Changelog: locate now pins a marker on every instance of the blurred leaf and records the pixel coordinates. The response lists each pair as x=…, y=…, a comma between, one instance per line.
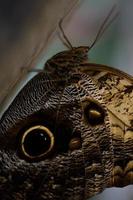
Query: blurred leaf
x=26, y=27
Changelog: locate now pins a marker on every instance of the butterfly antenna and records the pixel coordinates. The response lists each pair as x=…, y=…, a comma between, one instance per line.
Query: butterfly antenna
x=106, y=23
x=68, y=43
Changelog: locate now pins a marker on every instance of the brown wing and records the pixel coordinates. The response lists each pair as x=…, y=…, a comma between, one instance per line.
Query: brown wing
x=116, y=88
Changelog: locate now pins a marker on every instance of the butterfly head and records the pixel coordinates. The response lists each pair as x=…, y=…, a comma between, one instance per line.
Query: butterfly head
x=68, y=60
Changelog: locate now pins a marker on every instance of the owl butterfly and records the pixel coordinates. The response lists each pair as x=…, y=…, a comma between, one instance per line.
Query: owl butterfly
x=68, y=134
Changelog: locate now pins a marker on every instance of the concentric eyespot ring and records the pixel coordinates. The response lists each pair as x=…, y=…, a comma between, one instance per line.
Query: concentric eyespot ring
x=37, y=142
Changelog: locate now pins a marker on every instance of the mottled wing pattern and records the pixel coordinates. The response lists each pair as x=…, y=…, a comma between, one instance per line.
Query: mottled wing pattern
x=116, y=88
x=29, y=100
x=72, y=175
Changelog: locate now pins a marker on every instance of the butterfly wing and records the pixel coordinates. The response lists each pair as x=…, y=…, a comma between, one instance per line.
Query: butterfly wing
x=116, y=88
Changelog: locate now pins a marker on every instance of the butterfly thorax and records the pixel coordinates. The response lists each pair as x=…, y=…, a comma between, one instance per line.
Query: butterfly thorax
x=68, y=60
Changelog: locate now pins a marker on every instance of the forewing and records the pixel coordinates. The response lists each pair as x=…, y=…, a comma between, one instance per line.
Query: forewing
x=116, y=87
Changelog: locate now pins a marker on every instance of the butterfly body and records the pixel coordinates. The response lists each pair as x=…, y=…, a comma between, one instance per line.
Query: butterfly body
x=87, y=108
x=68, y=60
